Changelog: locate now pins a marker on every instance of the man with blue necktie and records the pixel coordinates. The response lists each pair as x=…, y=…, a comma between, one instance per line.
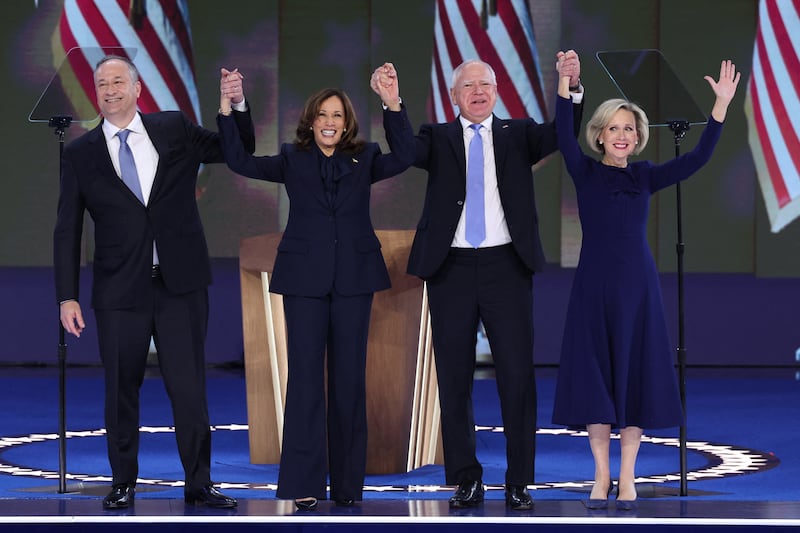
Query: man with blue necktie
x=136, y=176
x=477, y=246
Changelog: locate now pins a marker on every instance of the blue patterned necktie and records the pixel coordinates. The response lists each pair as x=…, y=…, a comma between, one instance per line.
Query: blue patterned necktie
x=475, y=230
x=127, y=166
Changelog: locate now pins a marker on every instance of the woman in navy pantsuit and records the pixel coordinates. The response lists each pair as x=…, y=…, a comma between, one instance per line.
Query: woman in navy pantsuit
x=328, y=266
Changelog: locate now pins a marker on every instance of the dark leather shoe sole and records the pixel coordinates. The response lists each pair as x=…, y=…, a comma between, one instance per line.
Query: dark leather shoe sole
x=463, y=504
x=117, y=505
x=209, y=497
x=519, y=506
x=120, y=497
x=201, y=502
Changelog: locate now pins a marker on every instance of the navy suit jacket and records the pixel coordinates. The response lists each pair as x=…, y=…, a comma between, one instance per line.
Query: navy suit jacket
x=327, y=246
x=518, y=145
x=124, y=229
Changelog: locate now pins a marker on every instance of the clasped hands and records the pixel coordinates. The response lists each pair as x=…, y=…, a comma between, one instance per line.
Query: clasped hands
x=230, y=89
x=569, y=65
x=385, y=84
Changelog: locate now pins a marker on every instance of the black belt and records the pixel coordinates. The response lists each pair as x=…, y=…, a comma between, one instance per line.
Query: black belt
x=156, y=271
x=488, y=251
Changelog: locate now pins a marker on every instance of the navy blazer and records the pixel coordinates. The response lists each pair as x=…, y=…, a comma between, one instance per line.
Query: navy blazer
x=124, y=229
x=324, y=245
x=518, y=145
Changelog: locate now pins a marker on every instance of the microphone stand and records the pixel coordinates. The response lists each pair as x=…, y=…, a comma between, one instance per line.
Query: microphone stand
x=61, y=123
x=679, y=129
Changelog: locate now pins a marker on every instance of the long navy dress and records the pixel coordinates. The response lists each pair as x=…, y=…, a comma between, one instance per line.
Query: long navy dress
x=617, y=365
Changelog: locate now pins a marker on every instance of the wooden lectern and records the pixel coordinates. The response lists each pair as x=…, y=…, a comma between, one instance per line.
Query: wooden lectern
x=402, y=395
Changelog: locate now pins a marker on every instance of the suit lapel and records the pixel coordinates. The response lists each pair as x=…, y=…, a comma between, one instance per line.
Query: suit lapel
x=311, y=179
x=500, y=130
x=455, y=134
x=344, y=175
x=158, y=136
x=101, y=160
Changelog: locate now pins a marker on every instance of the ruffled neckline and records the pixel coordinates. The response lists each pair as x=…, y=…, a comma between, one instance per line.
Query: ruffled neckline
x=620, y=180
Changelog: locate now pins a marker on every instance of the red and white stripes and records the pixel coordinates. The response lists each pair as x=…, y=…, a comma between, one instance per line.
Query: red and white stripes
x=158, y=34
x=499, y=33
x=773, y=107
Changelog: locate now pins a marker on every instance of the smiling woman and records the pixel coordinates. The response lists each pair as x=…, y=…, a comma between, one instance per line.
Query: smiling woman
x=329, y=125
x=328, y=266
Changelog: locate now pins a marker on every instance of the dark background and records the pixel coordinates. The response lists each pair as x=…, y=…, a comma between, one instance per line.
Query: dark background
x=289, y=49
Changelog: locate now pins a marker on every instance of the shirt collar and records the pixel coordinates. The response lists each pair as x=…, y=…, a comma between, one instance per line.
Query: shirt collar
x=136, y=126
x=487, y=123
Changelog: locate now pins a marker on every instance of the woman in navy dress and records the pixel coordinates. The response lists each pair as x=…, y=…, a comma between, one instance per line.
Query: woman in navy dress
x=328, y=266
x=617, y=366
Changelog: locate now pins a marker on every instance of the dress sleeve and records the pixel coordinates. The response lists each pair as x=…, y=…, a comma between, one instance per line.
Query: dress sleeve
x=680, y=168
x=577, y=163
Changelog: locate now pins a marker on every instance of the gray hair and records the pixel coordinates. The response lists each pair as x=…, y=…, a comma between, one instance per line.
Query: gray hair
x=112, y=57
x=462, y=66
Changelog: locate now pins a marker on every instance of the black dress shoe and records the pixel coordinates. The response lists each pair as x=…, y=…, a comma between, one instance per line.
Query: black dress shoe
x=517, y=498
x=306, y=504
x=468, y=494
x=208, y=496
x=344, y=502
x=120, y=497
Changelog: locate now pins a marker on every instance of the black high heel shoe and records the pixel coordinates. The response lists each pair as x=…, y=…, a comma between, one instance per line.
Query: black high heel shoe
x=598, y=504
x=306, y=504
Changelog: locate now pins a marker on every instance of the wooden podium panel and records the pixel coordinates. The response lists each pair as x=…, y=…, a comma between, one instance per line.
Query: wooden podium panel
x=402, y=401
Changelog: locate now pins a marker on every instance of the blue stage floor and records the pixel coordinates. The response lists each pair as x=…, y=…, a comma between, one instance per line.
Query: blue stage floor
x=743, y=463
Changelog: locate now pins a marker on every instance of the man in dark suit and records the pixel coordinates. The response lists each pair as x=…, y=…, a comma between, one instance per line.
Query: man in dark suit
x=151, y=267
x=483, y=270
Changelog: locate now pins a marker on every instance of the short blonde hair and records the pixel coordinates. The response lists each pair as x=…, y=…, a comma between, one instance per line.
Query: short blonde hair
x=602, y=116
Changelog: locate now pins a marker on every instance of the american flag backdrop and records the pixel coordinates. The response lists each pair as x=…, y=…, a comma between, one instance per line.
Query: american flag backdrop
x=499, y=32
x=157, y=30
x=773, y=109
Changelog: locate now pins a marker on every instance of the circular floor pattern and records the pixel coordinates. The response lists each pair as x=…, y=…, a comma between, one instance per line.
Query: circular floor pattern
x=722, y=460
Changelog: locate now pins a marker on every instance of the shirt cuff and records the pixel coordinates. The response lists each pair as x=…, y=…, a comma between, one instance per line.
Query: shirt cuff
x=385, y=107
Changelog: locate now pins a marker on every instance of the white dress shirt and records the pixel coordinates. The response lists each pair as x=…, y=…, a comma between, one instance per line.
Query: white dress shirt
x=496, y=228
x=144, y=155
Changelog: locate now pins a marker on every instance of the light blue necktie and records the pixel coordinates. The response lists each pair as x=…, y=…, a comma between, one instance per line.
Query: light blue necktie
x=127, y=166
x=476, y=217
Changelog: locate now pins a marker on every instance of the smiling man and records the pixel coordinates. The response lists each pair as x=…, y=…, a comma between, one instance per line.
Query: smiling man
x=136, y=175
x=477, y=246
